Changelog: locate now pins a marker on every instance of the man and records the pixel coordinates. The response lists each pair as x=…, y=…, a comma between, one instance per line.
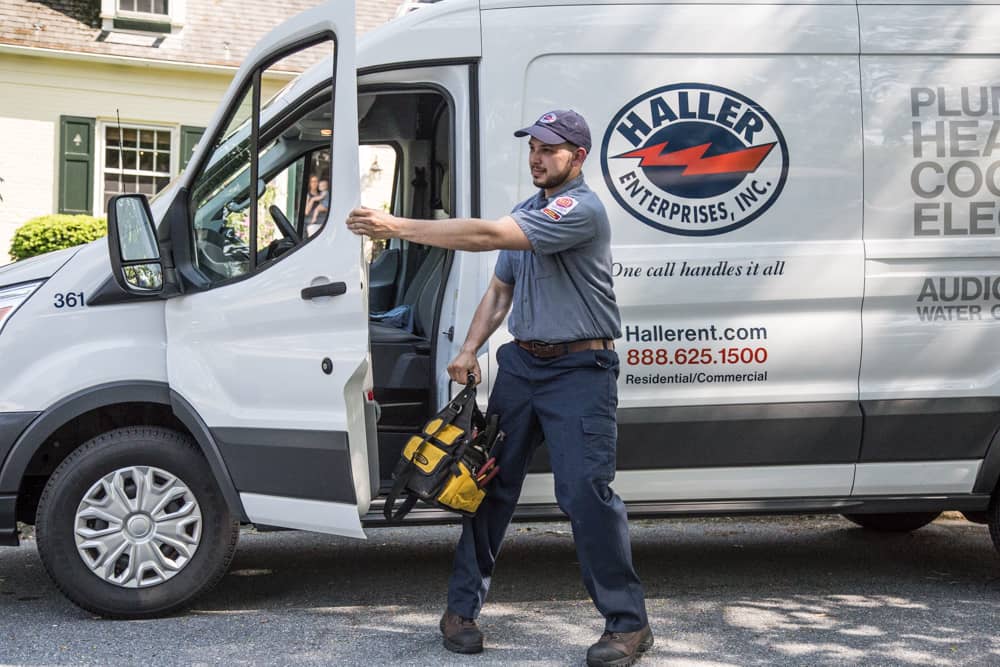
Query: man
x=557, y=381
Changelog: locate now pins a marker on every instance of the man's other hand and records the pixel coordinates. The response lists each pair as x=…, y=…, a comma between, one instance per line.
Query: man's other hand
x=462, y=365
x=373, y=223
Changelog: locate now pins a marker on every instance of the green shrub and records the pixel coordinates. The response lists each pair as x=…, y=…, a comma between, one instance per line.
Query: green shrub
x=55, y=232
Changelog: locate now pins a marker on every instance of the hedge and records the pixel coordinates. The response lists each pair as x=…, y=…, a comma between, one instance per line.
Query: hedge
x=55, y=232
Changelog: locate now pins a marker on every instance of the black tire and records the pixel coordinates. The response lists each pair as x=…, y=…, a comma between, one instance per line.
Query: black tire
x=901, y=522
x=122, y=448
x=994, y=519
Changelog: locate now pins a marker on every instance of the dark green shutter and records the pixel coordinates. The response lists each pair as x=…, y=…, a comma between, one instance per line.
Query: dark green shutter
x=189, y=139
x=76, y=164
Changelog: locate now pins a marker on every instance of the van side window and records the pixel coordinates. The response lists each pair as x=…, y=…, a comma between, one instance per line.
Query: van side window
x=220, y=202
x=263, y=183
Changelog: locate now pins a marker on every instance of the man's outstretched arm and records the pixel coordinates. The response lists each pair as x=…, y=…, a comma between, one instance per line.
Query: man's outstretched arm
x=489, y=315
x=457, y=234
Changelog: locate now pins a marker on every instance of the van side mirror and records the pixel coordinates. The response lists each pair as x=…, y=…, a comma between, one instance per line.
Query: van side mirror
x=132, y=245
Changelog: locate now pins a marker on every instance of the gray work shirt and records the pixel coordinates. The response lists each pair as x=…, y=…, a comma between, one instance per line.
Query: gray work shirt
x=563, y=290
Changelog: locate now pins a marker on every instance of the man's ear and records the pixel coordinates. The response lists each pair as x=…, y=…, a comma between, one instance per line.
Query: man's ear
x=579, y=156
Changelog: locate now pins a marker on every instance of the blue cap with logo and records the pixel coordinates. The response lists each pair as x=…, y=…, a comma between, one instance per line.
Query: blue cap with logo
x=556, y=127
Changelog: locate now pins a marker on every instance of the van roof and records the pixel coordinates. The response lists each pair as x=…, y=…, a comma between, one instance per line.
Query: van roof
x=509, y=4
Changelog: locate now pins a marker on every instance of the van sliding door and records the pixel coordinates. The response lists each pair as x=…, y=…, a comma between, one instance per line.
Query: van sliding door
x=930, y=375
x=727, y=151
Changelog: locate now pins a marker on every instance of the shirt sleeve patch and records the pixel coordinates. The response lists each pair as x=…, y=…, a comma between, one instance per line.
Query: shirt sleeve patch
x=552, y=213
x=563, y=205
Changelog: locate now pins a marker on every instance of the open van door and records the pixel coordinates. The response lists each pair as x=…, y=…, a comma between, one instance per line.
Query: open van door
x=269, y=344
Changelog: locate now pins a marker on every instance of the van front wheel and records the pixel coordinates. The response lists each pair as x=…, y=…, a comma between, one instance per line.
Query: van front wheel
x=133, y=525
x=900, y=522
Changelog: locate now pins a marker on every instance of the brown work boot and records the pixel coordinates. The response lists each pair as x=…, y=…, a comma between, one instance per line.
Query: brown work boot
x=461, y=635
x=619, y=649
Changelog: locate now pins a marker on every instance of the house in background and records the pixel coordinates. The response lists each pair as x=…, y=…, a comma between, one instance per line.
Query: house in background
x=70, y=69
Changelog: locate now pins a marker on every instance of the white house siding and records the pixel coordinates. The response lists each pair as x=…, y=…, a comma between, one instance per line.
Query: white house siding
x=26, y=170
x=35, y=91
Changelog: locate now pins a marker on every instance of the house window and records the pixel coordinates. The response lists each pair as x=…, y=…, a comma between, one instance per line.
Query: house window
x=141, y=17
x=144, y=6
x=136, y=159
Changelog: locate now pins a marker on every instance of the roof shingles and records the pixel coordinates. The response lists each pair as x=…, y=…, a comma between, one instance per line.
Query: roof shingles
x=215, y=32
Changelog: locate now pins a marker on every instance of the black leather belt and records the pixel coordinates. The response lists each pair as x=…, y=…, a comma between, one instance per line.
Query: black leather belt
x=544, y=350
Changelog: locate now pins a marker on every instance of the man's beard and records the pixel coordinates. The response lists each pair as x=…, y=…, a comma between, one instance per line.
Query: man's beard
x=550, y=181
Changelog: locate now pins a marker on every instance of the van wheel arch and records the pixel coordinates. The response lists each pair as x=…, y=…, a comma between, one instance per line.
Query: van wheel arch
x=68, y=424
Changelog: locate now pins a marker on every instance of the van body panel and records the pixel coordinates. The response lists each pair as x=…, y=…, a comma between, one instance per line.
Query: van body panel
x=932, y=237
x=929, y=429
x=965, y=28
x=38, y=267
x=12, y=424
x=713, y=483
x=303, y=514
x=716, y=29
x=289, y=462
x=663, y=4
x=79, y=347
x=439, y=31
x=802, y=307
x=916, y=477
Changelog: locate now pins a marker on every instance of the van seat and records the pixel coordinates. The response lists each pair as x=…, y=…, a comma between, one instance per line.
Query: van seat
x=420, y=295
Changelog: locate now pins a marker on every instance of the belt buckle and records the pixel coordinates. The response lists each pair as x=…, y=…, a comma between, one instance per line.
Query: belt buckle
x=542, y=349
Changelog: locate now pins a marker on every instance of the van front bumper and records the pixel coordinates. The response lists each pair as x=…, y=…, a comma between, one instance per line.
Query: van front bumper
x=8, y=522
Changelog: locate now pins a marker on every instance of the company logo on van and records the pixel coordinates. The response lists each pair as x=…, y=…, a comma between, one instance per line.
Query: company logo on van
x=694, y=159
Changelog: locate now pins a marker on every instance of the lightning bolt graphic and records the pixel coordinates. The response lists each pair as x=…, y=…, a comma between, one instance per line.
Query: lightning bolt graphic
x=745, y=160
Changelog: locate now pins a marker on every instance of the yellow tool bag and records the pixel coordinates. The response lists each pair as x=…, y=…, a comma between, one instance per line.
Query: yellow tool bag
x=450, y=462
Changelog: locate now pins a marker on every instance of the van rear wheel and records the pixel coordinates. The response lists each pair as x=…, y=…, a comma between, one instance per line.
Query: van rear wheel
x=901, y=522
x=994, y=519
x=133, y=525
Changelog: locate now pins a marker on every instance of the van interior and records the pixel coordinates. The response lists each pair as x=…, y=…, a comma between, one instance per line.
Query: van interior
x=408, y=278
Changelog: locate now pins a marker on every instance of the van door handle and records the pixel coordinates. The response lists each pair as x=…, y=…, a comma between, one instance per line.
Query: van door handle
x=329, y=289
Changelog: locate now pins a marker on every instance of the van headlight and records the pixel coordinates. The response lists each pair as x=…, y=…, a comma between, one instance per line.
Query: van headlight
x=12, y=297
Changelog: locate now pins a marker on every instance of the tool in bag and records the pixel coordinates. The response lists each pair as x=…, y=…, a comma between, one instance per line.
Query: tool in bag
x=451, y=461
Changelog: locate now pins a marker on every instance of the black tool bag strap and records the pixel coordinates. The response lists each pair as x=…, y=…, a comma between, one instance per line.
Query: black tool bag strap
x=408, y=502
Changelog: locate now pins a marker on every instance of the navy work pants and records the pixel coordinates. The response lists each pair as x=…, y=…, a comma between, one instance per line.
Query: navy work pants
x=569, y=401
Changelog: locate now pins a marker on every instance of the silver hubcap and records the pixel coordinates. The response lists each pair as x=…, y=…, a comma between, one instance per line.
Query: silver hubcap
x=138, y=527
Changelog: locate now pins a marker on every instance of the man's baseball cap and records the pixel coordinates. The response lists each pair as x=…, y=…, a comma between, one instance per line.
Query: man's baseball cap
x=556, y=127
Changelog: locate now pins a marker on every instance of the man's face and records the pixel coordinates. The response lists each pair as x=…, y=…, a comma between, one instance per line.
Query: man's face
x=313, y=183
x=552, y=164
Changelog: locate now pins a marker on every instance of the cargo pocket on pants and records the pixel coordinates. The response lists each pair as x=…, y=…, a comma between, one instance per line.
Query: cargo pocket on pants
x=600, y=439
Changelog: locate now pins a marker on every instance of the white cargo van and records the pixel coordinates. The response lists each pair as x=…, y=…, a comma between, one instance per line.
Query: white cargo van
x=805, y=224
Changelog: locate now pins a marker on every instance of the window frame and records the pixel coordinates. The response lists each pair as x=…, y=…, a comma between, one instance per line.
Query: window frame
x=100, y=152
